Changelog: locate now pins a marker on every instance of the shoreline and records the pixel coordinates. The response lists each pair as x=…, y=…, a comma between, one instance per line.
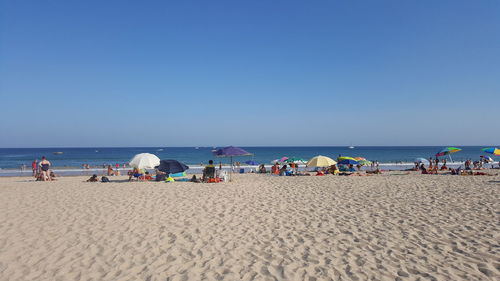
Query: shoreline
x=196, y=169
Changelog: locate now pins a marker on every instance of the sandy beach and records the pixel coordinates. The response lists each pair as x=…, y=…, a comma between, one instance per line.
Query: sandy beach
x=384, y=227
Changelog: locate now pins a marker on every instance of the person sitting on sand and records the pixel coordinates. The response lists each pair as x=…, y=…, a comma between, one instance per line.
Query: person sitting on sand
x=320, y=173
x=262, y=169
x=275, y=169
x=444, y=168
x=93, y=178
x=52, y=175
x=351, y=168
x=283, y=171
x=160, y=176
x=333, y=170
x=146, y=177
x=209, y=171
x=377, y=171
x=136, y=172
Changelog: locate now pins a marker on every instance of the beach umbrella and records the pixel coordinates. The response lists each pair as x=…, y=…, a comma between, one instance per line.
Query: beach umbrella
x=250, y=162
x=231, y=151
x=492, y=150
x=364, y=162
x=144, y=161
x=295, y=160
x=421, y=160
x=171, y=166
x=487, y=159
x=345, y=158
x=320, y=161
x=283, y=159
x=348, y=162
x=447, y=151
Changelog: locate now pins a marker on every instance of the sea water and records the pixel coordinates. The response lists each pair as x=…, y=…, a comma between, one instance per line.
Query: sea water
x=72, y=159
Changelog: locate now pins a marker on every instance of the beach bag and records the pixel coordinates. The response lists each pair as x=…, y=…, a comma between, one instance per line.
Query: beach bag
x=104, y=179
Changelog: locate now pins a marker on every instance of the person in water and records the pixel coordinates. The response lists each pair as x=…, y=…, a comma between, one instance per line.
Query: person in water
x=44, y=167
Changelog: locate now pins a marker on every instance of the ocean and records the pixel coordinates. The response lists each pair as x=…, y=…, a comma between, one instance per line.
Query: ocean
x=397, y=157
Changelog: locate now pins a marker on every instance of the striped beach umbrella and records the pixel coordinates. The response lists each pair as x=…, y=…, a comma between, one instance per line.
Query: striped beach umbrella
x=492, y=150
x=345, y=158
x=447, y=151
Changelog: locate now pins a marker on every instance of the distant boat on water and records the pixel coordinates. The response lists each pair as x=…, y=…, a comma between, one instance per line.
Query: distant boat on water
x=57, y=153
x=161, y=149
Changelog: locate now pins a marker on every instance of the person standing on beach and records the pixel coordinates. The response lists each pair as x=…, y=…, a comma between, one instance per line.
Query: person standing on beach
x=34, y=167
x=45, y=166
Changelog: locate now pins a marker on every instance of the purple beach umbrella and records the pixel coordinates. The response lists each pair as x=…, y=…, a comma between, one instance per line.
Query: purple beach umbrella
x=231, y=151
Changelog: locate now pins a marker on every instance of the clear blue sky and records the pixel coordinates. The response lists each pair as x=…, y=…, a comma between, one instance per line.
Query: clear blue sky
x=195, y=73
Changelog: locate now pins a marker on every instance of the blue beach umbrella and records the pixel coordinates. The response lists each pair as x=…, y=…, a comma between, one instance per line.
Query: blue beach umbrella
x=348, y=162
x=171, y=166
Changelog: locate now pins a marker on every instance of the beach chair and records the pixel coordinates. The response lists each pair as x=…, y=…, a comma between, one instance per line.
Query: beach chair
x=208, y=173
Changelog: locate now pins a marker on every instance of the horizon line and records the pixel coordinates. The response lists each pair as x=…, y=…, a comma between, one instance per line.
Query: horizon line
x=252, y=146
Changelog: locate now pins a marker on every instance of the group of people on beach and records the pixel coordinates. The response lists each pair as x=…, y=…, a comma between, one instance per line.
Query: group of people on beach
x=41, y=170
x=292, y=170
x=210, y=174
x=470, y=165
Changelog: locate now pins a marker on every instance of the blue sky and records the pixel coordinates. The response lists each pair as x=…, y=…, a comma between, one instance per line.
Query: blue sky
x=194, y=73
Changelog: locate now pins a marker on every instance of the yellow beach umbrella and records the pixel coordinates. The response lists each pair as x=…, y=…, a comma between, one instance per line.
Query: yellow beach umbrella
x=320, y=161
x=345, y=158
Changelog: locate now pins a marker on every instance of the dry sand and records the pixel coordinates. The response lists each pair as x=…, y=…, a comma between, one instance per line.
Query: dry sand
x=385, y=227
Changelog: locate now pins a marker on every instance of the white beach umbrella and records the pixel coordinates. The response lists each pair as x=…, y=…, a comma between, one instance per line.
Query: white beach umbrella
x=145, y=161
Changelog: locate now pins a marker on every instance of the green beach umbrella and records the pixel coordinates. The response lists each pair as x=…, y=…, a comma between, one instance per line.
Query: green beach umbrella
x=295, y=160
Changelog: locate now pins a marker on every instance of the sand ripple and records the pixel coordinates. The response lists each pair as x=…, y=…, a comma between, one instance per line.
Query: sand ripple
x=389, y=227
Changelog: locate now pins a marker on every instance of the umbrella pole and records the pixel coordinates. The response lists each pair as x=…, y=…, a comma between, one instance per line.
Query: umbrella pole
x=451, y=160
x=231, y=170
